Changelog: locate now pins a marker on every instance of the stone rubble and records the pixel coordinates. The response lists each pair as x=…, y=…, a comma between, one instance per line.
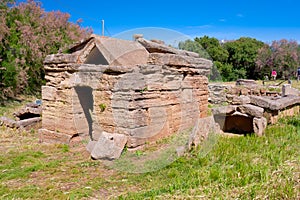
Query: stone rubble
x=245, y=118
x=224, y=93
x=31, y=110
x=252, y=111
x=27, y=116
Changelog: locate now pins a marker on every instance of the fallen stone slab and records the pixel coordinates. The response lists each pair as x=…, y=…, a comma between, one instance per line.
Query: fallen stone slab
x=287, y=89
x=28, y=122
x=48, y=136
x=4, y=121
x=108, y=147
x=10, y=123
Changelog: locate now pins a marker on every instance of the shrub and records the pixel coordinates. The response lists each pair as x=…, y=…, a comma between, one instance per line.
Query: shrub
x=27, y=34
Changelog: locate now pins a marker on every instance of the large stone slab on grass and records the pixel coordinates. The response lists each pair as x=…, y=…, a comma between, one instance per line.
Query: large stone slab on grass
x=48, y=136
x=8, y=122
x=109, y=146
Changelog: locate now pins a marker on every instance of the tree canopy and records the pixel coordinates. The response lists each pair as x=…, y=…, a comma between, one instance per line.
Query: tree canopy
x=27, y=34
x=249, y=58
x=282, y=56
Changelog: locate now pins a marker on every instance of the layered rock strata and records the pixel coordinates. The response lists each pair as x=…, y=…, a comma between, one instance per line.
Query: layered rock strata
x=140, y=89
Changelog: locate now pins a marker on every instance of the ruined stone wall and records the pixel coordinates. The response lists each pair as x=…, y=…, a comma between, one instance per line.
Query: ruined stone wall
x=252, y=106
x=144, y=102
x=273, y=116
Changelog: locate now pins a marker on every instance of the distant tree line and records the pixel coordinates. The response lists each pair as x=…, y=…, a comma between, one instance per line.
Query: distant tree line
x=27, y=34
x=247, y=57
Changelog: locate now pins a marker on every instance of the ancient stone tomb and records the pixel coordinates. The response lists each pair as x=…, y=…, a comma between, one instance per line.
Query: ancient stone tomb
x=133, y=91
x=252, y=107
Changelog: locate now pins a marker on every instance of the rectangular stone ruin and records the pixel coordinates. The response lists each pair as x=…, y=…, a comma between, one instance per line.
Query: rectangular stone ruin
x=251, y=114
x=140, y=89
x=277, y=107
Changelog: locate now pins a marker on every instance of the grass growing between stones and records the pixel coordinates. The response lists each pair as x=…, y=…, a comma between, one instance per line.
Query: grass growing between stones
x=248, y=167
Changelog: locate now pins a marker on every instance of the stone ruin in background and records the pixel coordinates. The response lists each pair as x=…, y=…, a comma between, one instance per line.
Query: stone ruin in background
x=252, y=106
x=116, y=92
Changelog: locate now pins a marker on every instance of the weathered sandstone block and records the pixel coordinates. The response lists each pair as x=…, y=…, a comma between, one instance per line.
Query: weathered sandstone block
x=122, y=87
x=109, y=146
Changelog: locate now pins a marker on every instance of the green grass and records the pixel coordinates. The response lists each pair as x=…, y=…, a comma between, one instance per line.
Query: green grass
x=248, y=167
x=242, y=168
x=8, y=109
x=296, y=84
x=153, y=156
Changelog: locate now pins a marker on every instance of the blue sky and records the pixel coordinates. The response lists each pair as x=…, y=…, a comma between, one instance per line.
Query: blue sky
x=231, y=19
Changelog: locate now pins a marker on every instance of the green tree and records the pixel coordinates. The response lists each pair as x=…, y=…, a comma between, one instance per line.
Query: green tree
x=193, y=46
x=242, y=55
x=209, y=48
x=228, y=72
x=207, y=42
x=213, y=48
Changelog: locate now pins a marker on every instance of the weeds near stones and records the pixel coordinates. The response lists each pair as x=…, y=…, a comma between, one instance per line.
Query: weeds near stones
x=102, y=107
x=143, y=90
x=139, y=153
